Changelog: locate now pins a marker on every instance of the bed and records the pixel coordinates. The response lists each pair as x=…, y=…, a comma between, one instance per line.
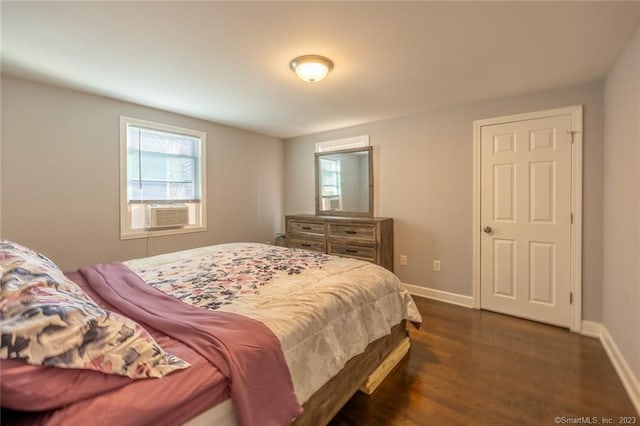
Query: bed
x=241, y=333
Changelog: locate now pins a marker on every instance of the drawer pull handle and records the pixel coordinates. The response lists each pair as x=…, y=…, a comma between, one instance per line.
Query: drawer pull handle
x=305, y=245
x=306, y=228
x=350, y=251
x=350, y=232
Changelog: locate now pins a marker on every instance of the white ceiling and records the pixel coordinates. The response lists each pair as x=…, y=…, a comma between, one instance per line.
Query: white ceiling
x=228, y=62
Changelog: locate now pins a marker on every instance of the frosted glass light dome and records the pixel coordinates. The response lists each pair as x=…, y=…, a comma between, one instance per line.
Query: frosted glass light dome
x=311, y=68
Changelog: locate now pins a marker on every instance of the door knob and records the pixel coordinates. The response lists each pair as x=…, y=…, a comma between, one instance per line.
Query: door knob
x=487, y=229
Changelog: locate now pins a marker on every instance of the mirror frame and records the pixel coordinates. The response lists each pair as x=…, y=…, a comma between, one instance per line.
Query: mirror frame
x=318, y=156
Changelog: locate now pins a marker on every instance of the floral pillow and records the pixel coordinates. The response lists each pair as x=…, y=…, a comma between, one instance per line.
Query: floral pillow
x=47, y=319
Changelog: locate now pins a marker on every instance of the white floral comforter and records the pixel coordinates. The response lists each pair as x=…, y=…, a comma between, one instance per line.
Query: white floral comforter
x=323, y=309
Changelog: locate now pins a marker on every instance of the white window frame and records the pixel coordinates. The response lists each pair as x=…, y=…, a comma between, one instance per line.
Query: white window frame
x=340, y=144
x=126, y=231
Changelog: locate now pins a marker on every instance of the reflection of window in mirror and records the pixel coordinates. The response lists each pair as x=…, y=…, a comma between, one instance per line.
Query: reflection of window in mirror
x=331, y=194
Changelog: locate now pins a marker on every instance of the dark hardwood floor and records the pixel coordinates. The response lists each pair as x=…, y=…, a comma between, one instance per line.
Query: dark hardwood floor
x=476, y=367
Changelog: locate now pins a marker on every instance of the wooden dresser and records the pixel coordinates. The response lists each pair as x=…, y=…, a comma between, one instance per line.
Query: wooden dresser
x=366, y=238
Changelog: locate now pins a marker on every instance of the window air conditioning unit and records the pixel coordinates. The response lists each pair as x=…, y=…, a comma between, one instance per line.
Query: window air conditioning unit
x=167, y=215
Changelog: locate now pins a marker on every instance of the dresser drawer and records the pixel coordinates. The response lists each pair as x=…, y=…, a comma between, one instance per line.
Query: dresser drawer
x=313, y=245
x=362, y=232
x=363, y=238
x=308, y=228
x=364, y=253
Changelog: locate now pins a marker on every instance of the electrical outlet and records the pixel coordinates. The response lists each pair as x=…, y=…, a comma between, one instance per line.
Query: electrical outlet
x=436, y=265
x=403, y=260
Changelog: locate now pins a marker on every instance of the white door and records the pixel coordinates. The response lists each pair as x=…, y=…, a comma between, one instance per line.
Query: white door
x=525, y=215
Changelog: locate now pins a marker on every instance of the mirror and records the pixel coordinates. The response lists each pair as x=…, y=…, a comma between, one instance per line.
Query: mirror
x=344, y=182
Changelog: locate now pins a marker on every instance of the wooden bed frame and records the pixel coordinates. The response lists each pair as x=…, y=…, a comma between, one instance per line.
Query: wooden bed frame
x=365, y=372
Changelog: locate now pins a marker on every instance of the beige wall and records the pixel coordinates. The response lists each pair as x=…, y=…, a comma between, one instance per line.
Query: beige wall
x=423, y=179
x=621, y=257
x=60, y=177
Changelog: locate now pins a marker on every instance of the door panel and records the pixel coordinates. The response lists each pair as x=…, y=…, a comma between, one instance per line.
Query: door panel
x=542, y=276
x=504, y=192
x=526, y=201
x=542, y=179
x=504, y=266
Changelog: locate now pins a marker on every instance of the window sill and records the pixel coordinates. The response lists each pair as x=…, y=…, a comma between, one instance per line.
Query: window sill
x=147, y=233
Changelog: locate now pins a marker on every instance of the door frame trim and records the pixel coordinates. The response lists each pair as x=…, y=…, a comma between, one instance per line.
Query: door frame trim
x=575, y=322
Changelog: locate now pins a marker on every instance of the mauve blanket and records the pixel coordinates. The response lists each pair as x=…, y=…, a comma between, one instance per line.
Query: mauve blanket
x=243, y=349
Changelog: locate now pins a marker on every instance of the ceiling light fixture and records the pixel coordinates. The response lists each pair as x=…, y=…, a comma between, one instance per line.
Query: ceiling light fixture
x=311, y=68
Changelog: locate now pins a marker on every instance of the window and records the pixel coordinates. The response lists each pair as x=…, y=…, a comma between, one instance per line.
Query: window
x=162, y=179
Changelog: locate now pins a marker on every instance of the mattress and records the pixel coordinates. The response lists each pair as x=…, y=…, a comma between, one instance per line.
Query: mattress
x=323, y=310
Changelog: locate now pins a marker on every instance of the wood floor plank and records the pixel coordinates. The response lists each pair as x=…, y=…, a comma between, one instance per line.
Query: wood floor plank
x=476, y=367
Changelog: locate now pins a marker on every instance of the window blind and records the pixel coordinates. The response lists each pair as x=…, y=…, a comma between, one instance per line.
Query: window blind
x=162, y=166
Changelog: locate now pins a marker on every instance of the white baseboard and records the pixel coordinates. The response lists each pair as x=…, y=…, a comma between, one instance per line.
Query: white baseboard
x=591, y=329
x=443, y=296
x=629, y=380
